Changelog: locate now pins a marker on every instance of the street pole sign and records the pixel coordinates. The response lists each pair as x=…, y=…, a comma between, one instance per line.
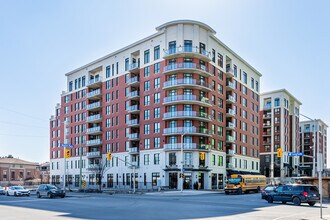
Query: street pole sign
x=66, y=145
x=293, y=154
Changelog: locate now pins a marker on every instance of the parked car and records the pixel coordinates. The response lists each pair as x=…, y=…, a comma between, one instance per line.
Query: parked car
x=17, y=191
x=297, y=194
x=50, y=191
x=265, y=191
x=2, y=191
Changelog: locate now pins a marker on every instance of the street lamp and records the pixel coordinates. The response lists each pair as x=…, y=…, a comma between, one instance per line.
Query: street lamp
x=182, y=135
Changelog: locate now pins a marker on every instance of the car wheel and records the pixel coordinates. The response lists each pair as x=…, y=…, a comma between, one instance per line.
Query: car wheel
x=239, y=191
x=50, y=195
x=270, y=199
x=7, y=193
x=15, y=194
x=38, y=195
x=283, y=202
x=311, y=203
x=296, y=201
x=258, y=189
x=226, y=192
x=62, y=197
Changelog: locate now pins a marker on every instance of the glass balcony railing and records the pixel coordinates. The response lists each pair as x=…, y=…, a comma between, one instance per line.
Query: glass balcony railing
x=133, y=122
x=230, y=71
x=94, y=93
x=187, y=65
x=134, y=150
x=186, y=146
x=133, y=80
x=93, y=117
x=187, y=81
x=133, y=136
x=94, y=142
x=174, y=98
x=231, y=125
x=133, y=108
x=93, y=105
x=94, y=129
x=94, y=154
x=134, y=66
x=183, y=130
x=230, y=138
x=133, y=94
x=187, y=49
x=231, y=98
x=186, y=114
x=267, y=106
x=230, y=85
x=95, y=80
x=231, y=111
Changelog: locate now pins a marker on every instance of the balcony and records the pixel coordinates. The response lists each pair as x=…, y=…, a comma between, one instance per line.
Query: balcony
x=230, y=153
x=187, y=83
x=93, y=142
x=230, y=139
x=94, y=118
x=133, y=136
x=230, y=72
x=187, y=130
x=266, y=133
x=187, y=146
x=94, y=154
x=133, y=81
x=94, y=106
x=134, y=68
x=230, y=113
x=134, y=150
x=133, y=95
x=94, y=83
x=267, y=125
x=230, y=166
x=96, y=94
x=230, y=126
x=133, y=108
x=187, y=68
x=187, y=99
x=266, y=143
x=267, y=106
x=230, y=99
x=230, y=86
x=94, y=130
x=133, y=123
x=187, y=114
x=267, y=116
x=187, y=51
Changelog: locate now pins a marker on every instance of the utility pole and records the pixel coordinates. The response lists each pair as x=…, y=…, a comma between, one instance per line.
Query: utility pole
x=64, y=180
x=181, y=175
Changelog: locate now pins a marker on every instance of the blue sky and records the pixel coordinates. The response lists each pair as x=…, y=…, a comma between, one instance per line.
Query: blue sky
x=40, y=41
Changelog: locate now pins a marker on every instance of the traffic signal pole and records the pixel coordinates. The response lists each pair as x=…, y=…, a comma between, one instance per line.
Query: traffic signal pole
x=64, y=179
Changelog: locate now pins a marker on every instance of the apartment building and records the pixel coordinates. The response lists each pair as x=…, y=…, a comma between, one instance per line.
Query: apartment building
x=178, y=88
x=279, y=129
x=313, y=134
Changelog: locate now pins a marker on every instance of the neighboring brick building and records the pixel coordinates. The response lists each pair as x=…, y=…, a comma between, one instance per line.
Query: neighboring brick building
x=14, y=171
x=181, y=84
x=279, y=128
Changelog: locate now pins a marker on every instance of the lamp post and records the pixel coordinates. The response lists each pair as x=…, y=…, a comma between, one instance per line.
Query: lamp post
x=182, y=135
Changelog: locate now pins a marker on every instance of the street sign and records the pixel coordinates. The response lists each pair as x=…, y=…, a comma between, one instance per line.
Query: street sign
x=66, y=145
x=293, y=154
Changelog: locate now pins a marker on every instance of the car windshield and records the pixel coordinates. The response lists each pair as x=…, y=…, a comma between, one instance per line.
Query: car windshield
x=52, y=187
x=270, y=188
x=234, y=180
x=18, y=187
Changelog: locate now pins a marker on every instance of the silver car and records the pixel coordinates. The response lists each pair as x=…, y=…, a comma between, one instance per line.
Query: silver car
x=2, y=191
x=17, y=191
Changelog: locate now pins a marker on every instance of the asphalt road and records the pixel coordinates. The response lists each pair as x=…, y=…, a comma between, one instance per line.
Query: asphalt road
x=154, y=206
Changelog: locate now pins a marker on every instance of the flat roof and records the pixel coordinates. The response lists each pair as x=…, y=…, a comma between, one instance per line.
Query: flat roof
x=279, y=91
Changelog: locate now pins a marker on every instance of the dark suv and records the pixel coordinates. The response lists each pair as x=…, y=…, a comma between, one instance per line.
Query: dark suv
x=50, y=191
x=297, y=194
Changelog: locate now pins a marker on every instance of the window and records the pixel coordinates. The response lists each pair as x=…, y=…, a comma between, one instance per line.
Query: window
x=157, y=83
x=220, y=60
x=156, y=68
x=146, y=100
x=155, y=178
x=156, y=52
x=277, y=102
x=146, y=159
x=126, y=64
x=70, y=86
x=257, y=86
x=188, y=158
x=252, y=83
x=157, y=98
x=107, y=71
x=156, y=159
x=172, y=159
x=213, y=159
x=146, y=114
x=213, y=55
x=147, y=71
x=220, y=161
x=147, y=129
x=146, y=56
x=245, y=77
x=156, y=112
x=157, y=142
x=146, y=85
x=156, y=127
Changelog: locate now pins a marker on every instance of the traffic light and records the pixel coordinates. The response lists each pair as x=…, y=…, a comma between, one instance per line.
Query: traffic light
x=84, y=184
x=109, y=155
x=67, y=154
x=202, y=155
x=279, y=152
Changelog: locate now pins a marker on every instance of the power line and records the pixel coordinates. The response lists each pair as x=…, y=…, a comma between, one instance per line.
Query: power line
x=23, y=125
x=20, y=113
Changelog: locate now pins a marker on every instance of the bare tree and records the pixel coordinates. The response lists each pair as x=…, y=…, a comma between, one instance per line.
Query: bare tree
x=99, y=169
